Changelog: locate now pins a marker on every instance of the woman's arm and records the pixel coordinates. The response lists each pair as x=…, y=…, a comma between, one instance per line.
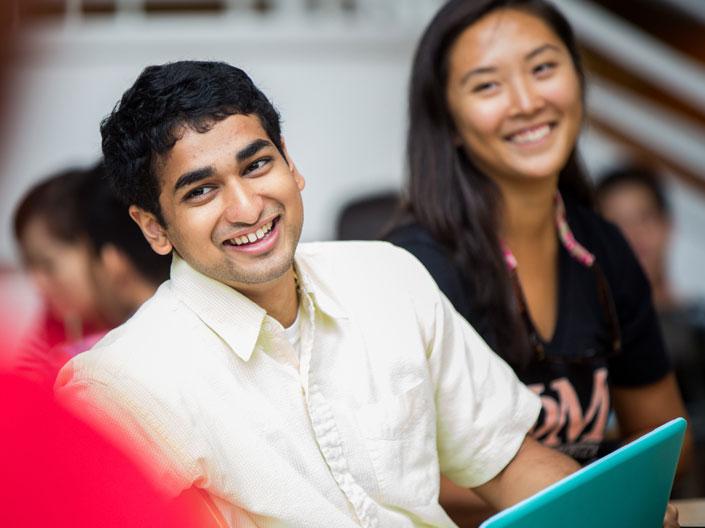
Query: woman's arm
x=641, y=409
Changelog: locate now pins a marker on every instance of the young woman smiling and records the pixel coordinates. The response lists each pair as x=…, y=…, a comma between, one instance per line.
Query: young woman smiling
x=500, y=213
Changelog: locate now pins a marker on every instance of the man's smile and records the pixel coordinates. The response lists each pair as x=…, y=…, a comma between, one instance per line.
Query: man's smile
x=257, y=240
x=253, y=235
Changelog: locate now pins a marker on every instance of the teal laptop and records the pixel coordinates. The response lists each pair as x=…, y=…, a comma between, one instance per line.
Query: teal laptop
x=627, y=488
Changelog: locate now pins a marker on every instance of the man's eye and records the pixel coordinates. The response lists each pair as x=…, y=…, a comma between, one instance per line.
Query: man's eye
x=198, y=192
x=255, y=165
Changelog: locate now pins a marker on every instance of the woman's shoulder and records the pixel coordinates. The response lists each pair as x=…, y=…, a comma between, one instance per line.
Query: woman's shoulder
x=613, y=253
x=418, y=240
x=598, y=235
x=586, y=220
x=643, y=358
x=411, y=233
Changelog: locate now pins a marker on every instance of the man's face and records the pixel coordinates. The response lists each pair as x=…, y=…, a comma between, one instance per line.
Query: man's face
x=231, y=202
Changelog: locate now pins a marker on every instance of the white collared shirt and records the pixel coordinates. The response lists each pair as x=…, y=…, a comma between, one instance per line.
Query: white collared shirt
x=391, y=388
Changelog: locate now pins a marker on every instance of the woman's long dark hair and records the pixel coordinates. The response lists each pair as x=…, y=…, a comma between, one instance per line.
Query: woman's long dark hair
x=449, y=195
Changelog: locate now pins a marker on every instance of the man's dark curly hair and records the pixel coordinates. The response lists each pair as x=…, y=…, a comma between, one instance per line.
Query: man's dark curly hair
x=151, y=115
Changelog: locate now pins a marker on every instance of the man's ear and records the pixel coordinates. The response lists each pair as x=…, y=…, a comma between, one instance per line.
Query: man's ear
x=298, y=178
x=152, y=230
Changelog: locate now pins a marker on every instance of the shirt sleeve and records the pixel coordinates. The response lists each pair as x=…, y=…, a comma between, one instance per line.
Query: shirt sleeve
x=439, y=265
x=483, y=411
x=643, y=358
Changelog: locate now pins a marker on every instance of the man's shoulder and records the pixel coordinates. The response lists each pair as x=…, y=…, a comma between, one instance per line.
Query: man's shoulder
x=154, y=331
x=365, y=270
x=155, y=317
x=351, y=253
x=351, y=262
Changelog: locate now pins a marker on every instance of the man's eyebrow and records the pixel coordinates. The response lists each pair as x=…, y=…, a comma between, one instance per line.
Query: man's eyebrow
x=193, y=176
x=540, y=50
x=252, y=149
x=196, y=175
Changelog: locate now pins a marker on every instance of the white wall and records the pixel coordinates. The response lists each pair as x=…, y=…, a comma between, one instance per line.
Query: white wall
x=339, y=85
x=341, y=91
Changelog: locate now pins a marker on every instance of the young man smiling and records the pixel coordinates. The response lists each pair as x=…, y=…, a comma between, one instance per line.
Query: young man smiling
x=310, y=385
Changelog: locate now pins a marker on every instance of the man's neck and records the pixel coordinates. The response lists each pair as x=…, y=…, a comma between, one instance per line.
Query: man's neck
x=278, y=297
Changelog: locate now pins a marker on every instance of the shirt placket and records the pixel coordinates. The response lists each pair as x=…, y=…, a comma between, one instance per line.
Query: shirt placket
x=325, y=428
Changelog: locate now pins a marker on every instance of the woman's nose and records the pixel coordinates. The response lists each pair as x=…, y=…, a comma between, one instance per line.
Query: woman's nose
x=526, y=98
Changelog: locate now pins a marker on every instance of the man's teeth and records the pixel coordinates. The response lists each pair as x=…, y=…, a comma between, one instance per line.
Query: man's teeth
x=532, y=135
x=252, y=237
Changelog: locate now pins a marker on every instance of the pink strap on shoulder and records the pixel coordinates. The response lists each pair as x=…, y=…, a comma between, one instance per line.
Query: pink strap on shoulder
x=574, y=248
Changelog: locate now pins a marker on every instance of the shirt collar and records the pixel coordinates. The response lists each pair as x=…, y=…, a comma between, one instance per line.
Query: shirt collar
x=311, y=284
x=231, y=315
x=234, y=317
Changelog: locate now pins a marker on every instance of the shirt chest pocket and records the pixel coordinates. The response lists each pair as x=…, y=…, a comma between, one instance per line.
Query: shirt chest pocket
x=399, y=433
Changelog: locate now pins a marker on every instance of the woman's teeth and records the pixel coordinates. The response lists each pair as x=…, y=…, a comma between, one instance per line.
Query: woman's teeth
x=531, y=136
x=254, y=236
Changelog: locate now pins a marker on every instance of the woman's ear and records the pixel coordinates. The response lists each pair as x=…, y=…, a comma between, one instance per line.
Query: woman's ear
x=152, y=230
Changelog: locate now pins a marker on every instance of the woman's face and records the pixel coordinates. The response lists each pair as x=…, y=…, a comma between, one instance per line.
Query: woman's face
x=515, y=96
x=61, y=271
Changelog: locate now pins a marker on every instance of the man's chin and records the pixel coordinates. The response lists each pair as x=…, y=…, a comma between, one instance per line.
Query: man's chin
x=261, y=277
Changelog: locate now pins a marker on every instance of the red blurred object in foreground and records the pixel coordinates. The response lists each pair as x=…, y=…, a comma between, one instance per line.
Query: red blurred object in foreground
x=57, y=472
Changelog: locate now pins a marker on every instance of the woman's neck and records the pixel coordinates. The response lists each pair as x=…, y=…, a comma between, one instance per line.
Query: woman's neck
x=528, y=215
x=528, y=229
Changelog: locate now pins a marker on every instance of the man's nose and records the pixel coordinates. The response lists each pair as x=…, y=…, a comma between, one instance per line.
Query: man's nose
x=243, y=204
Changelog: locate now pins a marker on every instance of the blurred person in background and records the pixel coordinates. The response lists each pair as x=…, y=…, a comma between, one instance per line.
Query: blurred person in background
x=123, y=269
x=89, y=261
x=49, y=230
x=634, y=198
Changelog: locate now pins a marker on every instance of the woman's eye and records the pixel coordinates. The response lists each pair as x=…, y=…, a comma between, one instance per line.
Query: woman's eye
x=255, y=165
x=544, y=68
x=484, y=87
